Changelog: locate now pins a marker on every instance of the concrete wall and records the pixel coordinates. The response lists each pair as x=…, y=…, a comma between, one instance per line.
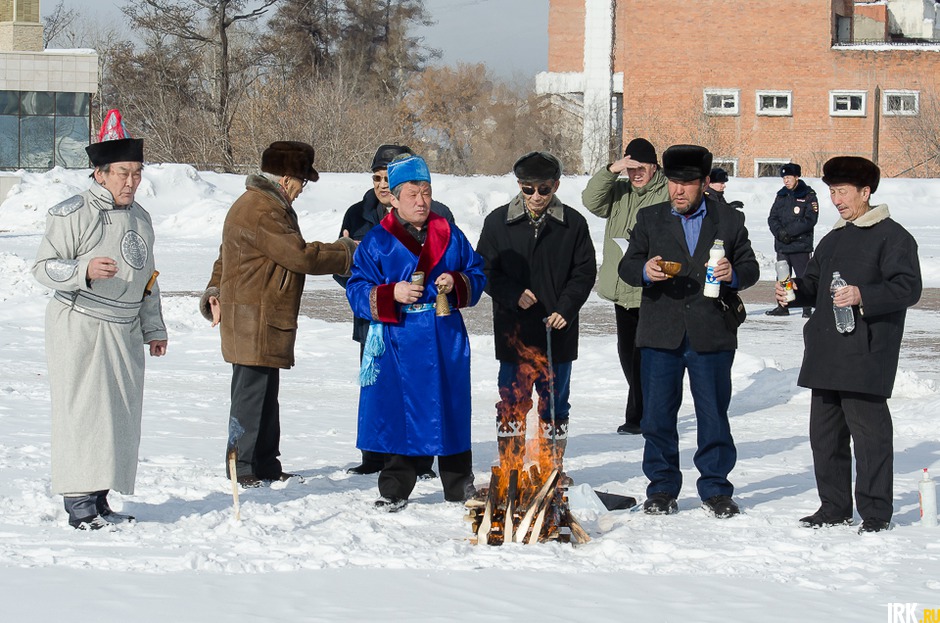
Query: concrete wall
x=66, y=71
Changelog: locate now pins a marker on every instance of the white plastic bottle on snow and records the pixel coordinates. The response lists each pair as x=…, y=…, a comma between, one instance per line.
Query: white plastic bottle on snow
x=845, y=317
x=928, y=501
x=712, y=285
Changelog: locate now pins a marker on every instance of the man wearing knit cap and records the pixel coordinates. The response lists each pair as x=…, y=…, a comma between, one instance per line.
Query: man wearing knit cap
x=792, y=219
x=540, y=267
x=412, y=275
x=97, y=254
x=360, y=218
x=617, y=193
x=851, y=374
x=254, y=294
x=681, y=330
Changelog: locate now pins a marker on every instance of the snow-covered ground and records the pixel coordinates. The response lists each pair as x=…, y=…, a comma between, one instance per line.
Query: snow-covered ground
x=316, y=550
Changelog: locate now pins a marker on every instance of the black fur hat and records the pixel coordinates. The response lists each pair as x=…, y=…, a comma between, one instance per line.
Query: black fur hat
x=118, y=150
x=536, y=166
x=791, y=168
x=386, y=153
x=641, y=150
x=851, y=170
x=718, y=176
x=684, y=163
x=291, y=158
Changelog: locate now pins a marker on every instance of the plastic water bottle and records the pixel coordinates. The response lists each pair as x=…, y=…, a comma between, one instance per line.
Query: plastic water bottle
x=928, y=501
x=845, y=317
x=712, y=285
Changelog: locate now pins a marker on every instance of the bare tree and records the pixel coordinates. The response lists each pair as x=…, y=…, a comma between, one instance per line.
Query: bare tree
x=57, y=22
x=370, y=38
x=917, y=138
x=207, y=25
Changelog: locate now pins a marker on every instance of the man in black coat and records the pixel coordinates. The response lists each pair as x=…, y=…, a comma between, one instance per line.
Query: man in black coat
x=851, y=374
x=360, y=218
x=718, y=180
x=792, y=219
x=540, y=267
x=683, y=330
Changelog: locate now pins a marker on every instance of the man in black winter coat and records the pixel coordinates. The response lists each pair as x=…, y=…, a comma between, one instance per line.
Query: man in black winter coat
x=852, y=374
x=360, y=218
x=683, y=331
x=718, y=180
x=540, y=267
x=792, y=219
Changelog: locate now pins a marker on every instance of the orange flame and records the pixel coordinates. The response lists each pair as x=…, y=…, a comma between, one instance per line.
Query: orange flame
x=516, y=406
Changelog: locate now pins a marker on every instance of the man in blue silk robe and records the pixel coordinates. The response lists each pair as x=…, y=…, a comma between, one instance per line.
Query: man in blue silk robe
x=415, y=377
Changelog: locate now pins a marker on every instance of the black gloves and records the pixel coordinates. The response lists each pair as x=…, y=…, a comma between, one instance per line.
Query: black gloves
x=784, y=237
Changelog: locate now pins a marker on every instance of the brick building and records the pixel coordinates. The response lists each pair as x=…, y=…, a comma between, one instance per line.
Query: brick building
x=759, y=82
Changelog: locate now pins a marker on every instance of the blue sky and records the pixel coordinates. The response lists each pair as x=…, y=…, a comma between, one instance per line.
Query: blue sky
x=509, y=36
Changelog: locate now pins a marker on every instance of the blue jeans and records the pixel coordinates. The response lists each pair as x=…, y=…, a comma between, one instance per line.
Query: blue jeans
x=662, y=371
x=512, y=392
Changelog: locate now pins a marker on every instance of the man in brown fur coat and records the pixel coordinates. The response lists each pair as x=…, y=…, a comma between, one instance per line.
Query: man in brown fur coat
x=254, y=293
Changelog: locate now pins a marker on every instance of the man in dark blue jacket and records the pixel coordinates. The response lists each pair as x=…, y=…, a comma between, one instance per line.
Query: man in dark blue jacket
x=792, y=219
x=360, y=218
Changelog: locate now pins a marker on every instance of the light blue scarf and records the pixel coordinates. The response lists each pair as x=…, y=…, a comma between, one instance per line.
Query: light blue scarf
x=374, y=348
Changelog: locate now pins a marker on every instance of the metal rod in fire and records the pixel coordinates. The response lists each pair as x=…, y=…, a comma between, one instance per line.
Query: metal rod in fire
x=551, y=387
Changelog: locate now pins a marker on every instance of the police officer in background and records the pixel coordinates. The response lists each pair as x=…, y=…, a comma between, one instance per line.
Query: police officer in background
x=792, y=219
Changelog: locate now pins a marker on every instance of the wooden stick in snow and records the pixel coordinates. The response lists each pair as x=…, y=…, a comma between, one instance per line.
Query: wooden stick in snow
x=233, y=475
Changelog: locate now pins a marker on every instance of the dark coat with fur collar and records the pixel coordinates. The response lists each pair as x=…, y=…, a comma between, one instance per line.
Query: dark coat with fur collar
x=558, y=265
x=259, y=276
x=878, y=256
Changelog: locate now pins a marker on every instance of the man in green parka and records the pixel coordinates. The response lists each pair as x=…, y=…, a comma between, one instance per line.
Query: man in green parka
x=617, y=192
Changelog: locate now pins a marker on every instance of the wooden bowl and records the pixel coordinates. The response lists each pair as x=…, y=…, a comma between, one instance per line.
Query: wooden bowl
x=670, y=268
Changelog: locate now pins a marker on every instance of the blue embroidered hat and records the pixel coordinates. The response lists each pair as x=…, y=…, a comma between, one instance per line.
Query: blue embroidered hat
x=408, y=168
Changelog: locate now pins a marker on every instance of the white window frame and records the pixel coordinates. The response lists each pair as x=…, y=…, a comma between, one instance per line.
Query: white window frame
x=728, y=164
x=848, y=113
x=900, y=93
x=774, y=112
x=734, y=93
x=774, y=161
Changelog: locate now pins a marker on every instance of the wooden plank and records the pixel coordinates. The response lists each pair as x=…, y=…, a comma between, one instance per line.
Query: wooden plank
x=578, y=533
x=534, y=508
x=511, y=492
x=483, y=534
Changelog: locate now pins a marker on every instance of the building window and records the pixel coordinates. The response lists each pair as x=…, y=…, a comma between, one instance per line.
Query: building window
x=774, y=103
x=768, y=168
x=730, y=165
x=847, y=103
x=901, y=102
x=722, y=101
x=40, y=130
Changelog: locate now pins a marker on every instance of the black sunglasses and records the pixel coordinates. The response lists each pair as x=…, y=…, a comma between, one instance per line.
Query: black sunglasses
x=544, y=189
x=378, y=179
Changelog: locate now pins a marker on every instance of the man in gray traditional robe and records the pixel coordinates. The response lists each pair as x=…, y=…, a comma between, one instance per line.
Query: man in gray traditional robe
x=97, y=254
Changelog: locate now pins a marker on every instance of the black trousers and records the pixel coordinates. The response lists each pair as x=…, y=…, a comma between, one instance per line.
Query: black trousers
x=834, y=419
x=627, y=321
x=256, y=412
x=398, y=476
